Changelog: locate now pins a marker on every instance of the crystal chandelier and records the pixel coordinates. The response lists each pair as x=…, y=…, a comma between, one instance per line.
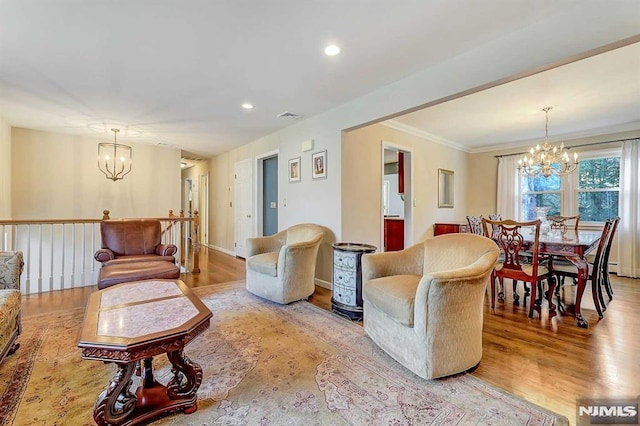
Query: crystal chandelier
x=545, y=160
x=114, y=160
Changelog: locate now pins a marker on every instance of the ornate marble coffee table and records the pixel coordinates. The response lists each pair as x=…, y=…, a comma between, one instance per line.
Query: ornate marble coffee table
x=133, y=322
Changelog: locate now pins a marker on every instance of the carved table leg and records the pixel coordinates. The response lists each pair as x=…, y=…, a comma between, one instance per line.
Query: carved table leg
x=116, y=402
x=583, y=270
x=552, y=287
x=187, y=377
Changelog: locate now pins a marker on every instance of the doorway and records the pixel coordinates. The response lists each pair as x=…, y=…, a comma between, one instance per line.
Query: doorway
x=397, y=205
x=269, y=202
x=266, y=200
x=189, y=199
x=204, y=209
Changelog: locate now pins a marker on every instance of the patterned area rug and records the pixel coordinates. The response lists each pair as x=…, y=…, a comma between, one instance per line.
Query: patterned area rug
x=264, y=364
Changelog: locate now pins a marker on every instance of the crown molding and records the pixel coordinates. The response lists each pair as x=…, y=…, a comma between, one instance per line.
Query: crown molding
x=396, y=125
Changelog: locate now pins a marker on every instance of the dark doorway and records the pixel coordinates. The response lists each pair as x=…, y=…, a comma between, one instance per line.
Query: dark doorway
x=270, y=196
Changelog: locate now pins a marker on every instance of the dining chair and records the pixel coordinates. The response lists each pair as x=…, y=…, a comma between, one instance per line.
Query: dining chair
x=516, y=296
x=515, y=266
x=496, y=217
x=475, y=224
x=564, y=223
x=605, y=260
x=596, y=268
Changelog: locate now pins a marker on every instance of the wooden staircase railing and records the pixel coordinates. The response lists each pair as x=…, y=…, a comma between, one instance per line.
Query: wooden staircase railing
x=59, y=253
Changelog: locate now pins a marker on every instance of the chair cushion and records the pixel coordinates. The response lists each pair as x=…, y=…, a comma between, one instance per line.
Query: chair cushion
x=527, y=268
x=139, y=258
x=125, y=272
x=394, y=295
x=265, y=263
x=564, y=266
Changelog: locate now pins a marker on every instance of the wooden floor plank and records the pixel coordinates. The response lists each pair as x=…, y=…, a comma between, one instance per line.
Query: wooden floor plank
x=547, y=361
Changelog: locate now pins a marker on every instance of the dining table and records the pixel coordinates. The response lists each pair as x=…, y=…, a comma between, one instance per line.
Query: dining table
x=573, y=246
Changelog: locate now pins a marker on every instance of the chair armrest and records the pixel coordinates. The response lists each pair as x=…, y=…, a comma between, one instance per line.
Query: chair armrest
x=104, y=255
x=11, y=266
x=408, y=261
x=294, y=256
x=166, y=249
x=451, y=288
x=259, y=245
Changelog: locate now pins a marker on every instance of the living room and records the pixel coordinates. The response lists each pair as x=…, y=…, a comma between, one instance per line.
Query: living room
x=49, y=172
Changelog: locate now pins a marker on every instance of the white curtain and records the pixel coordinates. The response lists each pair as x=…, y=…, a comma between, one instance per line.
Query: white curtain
x=628, y=234
x=508, y=188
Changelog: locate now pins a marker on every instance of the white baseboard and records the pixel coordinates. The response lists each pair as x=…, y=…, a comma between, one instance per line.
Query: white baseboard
x=220, y=249
x=322, y=283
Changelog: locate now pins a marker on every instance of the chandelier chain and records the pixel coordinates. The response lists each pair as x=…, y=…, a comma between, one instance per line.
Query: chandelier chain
x=546, y=160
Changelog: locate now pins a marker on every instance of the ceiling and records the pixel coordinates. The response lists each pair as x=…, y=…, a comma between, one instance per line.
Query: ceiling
x=594, y=96
x=175, y=73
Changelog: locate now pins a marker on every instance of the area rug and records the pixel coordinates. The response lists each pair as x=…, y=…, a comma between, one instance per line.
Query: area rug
x=264, y=364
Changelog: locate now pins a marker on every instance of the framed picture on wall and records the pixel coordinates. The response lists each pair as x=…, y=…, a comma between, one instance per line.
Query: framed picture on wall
x=445, y=188
x=294, y=170
x=319, y=165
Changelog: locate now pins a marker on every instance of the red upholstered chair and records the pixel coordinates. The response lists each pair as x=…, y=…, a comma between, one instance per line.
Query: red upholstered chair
x=132, y=250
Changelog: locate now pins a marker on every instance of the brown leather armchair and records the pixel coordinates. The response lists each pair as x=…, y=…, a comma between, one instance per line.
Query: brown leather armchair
x=132, y=250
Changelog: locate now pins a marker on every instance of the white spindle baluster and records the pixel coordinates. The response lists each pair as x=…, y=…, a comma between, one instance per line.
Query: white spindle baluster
x=62, y=268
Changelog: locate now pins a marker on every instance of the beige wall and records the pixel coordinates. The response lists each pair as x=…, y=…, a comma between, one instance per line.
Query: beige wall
x=362, y=183
x=483, y=174
x=5, y=170
x=483, y=169
x=58, y=177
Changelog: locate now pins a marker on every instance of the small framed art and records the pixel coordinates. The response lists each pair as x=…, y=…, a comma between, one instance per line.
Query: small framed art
x=319, y=166
x=445, y=188
x=294, y=170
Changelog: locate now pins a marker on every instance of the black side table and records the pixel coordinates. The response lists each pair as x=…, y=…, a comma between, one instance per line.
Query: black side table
x=347, y=279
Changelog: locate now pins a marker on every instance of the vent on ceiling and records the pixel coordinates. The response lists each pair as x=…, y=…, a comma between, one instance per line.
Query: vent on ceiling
x=289, y=115
x=189, y=158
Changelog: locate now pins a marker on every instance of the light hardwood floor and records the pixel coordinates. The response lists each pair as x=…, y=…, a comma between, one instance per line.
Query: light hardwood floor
x=547, y=361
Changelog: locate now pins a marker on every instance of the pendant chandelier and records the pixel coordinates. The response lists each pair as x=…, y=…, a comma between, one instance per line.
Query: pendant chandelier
x=114, y=160
x=545, y=160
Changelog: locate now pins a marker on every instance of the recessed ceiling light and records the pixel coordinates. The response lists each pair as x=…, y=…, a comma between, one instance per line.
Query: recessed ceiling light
x=247, y=106
x=332, y=50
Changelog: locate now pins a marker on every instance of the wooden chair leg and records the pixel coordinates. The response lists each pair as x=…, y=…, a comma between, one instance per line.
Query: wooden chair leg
x=493, y=291
x=516, y=296
x=501, y=292
x=534, y=299
x=595, y=290
x=600, y=295
x=607, y=285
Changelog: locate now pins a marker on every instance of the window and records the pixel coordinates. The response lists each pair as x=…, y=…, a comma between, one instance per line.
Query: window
x=540, y=192
x=598, y=188
x=592, y=191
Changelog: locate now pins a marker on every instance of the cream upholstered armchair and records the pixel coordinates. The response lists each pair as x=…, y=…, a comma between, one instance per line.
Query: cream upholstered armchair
x=282, y=267
x=424, y=305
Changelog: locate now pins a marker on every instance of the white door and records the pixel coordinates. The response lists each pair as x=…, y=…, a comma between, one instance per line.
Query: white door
x=243, y=205
x=204, y=209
